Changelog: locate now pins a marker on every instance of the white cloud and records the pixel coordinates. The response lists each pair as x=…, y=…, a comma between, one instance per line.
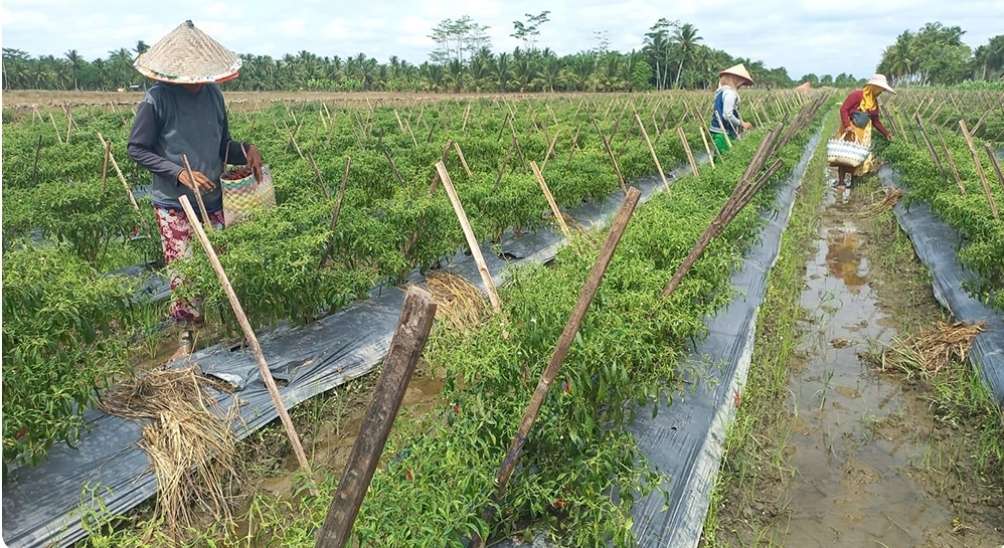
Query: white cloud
x=291, y=27
x=821, y=36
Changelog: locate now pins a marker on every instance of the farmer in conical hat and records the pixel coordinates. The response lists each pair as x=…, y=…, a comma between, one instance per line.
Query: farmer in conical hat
x=184, y=113
x=725, y=120
x=858, y=114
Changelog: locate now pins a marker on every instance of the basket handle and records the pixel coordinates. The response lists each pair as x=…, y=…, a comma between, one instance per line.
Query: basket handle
x=245, y=153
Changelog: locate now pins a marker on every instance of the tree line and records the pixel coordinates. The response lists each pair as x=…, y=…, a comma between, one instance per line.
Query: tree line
x=935, y=54
x=673, y=55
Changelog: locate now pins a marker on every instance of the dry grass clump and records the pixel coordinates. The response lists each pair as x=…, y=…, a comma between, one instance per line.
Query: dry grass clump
x=928, y=352
x=889, y=200
x=460, y=304
x=188, y=439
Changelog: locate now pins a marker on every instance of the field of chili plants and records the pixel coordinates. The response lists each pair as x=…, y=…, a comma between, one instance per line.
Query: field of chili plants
x=940, y=167
x=66, y=210
x=581, y=467
x=73, y=322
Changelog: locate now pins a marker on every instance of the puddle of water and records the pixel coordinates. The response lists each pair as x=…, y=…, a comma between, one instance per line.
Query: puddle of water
x=855, y=433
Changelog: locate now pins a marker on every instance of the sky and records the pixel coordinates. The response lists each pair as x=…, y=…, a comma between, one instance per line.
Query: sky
x=802, y=35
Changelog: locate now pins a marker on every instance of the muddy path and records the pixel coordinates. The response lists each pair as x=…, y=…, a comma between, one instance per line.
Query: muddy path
x=860, y=443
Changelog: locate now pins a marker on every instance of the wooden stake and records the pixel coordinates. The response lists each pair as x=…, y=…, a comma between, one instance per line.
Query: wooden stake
x=467, y=113
x=406, y=346
x=118, y=172
x=320, y=178
x=725, y=132
x=198, y=196
x=69, y=122
x=984, y=182
x=336, y=212
x=52, y=119
x=995, y=163
x=550, y=200
x=472, y=241
x=572, y=326
x=930, y=146
x=104, y=163
x=707, y=147
x=263, y=370
x=686, y=149
x=463, y=161
x=951, y=162
x=651, y=150
x=613, y=159
x=550, y=149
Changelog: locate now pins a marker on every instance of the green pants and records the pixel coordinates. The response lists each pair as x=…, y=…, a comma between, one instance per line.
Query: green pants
x=721, y=144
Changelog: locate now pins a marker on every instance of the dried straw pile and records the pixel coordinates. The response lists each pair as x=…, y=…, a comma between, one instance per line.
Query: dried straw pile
x=889, y=200
x=189, y=441
x=459, y=303
x=928, y=352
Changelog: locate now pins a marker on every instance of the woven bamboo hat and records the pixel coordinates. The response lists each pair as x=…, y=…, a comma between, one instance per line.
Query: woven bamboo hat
x=740, y=71
x=188, y=56
x=879, y=80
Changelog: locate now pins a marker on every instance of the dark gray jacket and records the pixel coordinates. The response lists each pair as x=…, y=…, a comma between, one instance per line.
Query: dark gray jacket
x=172, y=121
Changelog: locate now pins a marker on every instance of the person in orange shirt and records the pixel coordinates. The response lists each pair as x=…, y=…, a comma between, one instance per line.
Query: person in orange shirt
x=858, y=114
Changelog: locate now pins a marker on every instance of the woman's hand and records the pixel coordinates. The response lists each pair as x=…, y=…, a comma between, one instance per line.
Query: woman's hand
x=254, y=161
x=196, y=181
x=747, y=125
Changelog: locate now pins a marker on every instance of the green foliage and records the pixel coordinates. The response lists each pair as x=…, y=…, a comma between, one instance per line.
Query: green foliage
x=936, y=54
x=61, y=339
x=969, y=213
x=431, y=492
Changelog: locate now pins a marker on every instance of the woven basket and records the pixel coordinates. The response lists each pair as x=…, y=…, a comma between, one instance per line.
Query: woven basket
x=846, y=153
x=243, y=197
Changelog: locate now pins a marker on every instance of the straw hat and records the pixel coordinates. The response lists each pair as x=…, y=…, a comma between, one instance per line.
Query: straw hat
x=740, y=71
x=879, y=80
x=188, y=56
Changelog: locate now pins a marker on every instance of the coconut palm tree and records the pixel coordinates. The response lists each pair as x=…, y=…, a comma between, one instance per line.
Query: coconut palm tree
x=685, y=37
x=76, y=62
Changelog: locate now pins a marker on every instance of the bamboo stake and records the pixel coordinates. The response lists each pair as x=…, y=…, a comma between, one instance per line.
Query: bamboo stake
x=320, y=178
x=59, y=136
x=613, y=159
x=951, y=162
x=744, y=191
x=658, y=132
x=434, y=180
x=69, y=122
x=550, y=149
x=550, y=200
x=995, y=163
x=976, y=126
x=686, y=148
x=118, y=172
x=984, y=182
x=571, y=329
x=463, y=161
x=930, y=146
x=38, y=156
x=651, y=150
x=198, y=195
x=263, y=370
x=725, y=132
x=472, y=241
x=707, y=147
x=467, y=113
x=407, y=126
x=104, y=163
x=406, y=346
x=336, y=212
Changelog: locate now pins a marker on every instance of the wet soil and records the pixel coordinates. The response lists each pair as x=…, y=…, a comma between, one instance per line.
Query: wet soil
x=861, y=442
